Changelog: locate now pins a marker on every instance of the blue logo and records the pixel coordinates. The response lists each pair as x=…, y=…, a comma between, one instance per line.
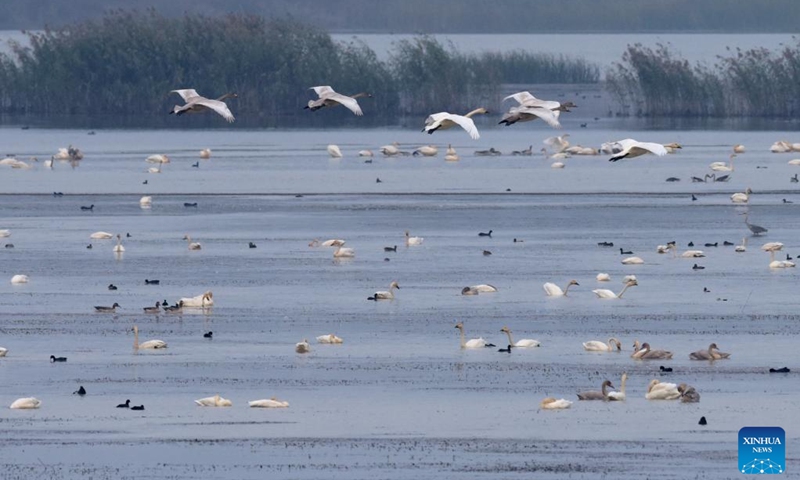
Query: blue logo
x=762, y=450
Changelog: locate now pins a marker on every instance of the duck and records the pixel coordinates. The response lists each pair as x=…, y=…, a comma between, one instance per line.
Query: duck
x=523, y=343
x=302, y=347
x=110, y=309
x=506, y=350
x=118, y=248
x=413, y=240
x=198, y=104
x=215, y=401
x=595, y=395
x=203, y=300
x=334, y=151
x=712, y=353
x=550, y=403
x=613, y=345
x=688, y=394
x=604, y=293
x=330, y=339
x=80, y=391
x=101, y=235
x=385, y=295
x=251, y=245
x=664, y=369
x=485, y=234
x=138, y=407
x=112, y=287
x=527, y=152
x=127, y=404
x=631, y=148
x=155, y=309
x=17, y=279
x=148, y=345
x=54, y=359
x=268, y=403
x=662, y=391
x=342, y=252
x=26, y=403
x=779, y=370
x=698, y=267
x=620, y=395
x=492, y=152
x=390, y=249
x=472, y=343
x=192, y=245
x=553, y=290
x=152, y=282
x=208, y=335
x=330, y=98
x=90, y=208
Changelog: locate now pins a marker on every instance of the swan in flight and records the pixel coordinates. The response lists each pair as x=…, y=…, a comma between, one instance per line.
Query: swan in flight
x=688, y=394
x=215, y=401
x=711, y=354
x=101, y=235
x=329, y=98
x=662, y=391
x=620, y=395
x=741, y=197
x=472, y=343
x=559, y=143
x=630, y=148
x=604, y=293
x=330, y=338
x=550, y=403
x=443, y=120
x=302, y=347
x=192, y=245
x=524, y=343
x=553, y=290
x=342, y=252
x=643, y=352
x=385, y=295
x=413, y=240
x=26, y=403
x=148, y=345
x=722, y=166
x=203, y=300
x=613, y=345
x=268, y=403
x=19, y=279
x=526, y=114
x=603, y=277
x=334, y=152
x=118, y=248
x=595, y=395
x=196, y=104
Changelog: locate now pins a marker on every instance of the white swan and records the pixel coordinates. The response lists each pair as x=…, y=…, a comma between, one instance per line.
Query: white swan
x=722, y=166
x=451, y=155
x=427, y=151
x=3, y=352
x=738, y=148
x=628, y=278
x=603, y=277
x=148, y=345
x=391, y=150
x=155, y=169
x=342, y=252
x=444, y=120
x=302, y=347
x=782, y=264
x=603, y=293
x=794, y=162
x=6, y=233
x=101, y=235
x=613, y=345
x=203, y=300
x=550, y=403
x=196, y=104
x=781, y=146
x=215, y=401
x=157, y=158
x=476, y=289
x=526, y=114
x=741, y=197
x=741, y=248
x=620, y=395
x=553, y=290
x=333, y=242
x=118, y=248
x=693, y=254
x=557, y=165
x=413, y=240
x=330, y=338
x=192, y=245
x=205, y=153
x=632, y=261
x=334, y=152
x=329, y=98
x=146, y=201
x=268, y=403
x=472, y=343
x=19, y=279
x=662, y=391
x=26, y=403
x=385, y=295
x=524, y=343
x=365, y=153
x=631, y=148
x=643, y=352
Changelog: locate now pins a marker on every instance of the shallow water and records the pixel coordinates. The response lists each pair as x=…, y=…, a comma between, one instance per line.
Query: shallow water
x=398, y=399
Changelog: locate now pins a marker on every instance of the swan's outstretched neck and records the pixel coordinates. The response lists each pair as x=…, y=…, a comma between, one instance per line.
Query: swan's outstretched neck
x=135, y=337
x=567, y=289
x=623, y=290
x=624, y=379
x=463, y=339
x=510, y=340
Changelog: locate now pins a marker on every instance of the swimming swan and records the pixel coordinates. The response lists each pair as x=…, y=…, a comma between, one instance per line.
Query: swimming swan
x=334, y=151
x=330, y=338
x=268, y=403
x=101, y=235
x=644, y=352
x=632, y=261
x=302, y=347
x=329, y=98
x=476, y=289
x=722, y=166
x=631, y=148
x=385, y=295
x=688, y=394
x=595, y=395
x=148, y=345
x=192, y=245
x=620, y=395
x=613, y=345
x=741, y=197
x=712, y=353
x=550, y=403
x=118, y=248
x=215, y=401
x=3, y=352
x=524, y=343
x=413, y=240
x=202, y=300
x=443, y=120
x=473, y=343
x=205, y=153
x=26, y=403
x=19, y=279
x=662, y=391
x=603, y=277
x=145, y=201
x=553, y=290
x=604, y=293
x=342, y=252
x=197, y=104
x=157, y=158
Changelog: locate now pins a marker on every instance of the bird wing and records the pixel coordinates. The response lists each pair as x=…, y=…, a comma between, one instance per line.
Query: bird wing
x=548, y=116
x=654, y=148
x=349, y=102
x=521, y=97
x=188, y=94
x=217, y=106
x=322, y=90
x=435, y=117
x=466, y=123
x=632, y=148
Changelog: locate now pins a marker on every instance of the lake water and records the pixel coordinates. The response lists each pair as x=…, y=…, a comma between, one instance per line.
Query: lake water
x=399, y=399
